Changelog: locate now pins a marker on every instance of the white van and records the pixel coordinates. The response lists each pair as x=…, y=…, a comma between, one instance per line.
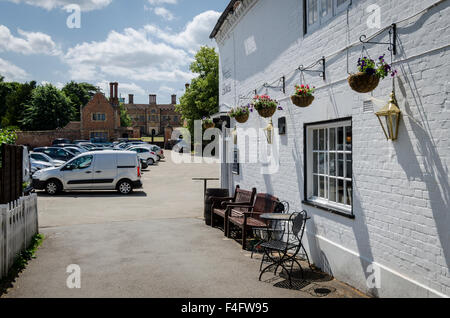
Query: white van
x=105, y=170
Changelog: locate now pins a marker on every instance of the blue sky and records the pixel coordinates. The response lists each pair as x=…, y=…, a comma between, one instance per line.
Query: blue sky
x=145, y=45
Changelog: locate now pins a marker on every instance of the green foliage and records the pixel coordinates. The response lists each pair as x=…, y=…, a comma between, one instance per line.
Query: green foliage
x=202, y=97
x=49, y=109
x=79, y=94
x=15, y=103
x=7, y=136
x=125, y=119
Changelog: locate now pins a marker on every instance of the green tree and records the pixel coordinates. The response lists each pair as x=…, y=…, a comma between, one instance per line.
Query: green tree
x=125, y=119
x=49, y=109
x=15, y=103
x=202, y=97
x=79, y=94
x=5, y=89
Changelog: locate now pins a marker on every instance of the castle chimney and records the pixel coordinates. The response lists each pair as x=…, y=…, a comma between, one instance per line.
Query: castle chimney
x=174, y=99
x=152, y=99
x=130, y=99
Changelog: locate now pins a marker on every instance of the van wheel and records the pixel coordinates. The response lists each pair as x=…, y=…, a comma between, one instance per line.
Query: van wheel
x=53, y=187
x=150, y=162
x=124, y=187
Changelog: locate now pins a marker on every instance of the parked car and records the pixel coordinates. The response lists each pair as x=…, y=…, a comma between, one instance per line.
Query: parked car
x=88, y=146
x=42, y=157
x=56, y=153
x=80, y=141
x=146, y=154
x=39, y=165
x=75, y=150
x=105, y=170
x=157, y=150
x=61, y=141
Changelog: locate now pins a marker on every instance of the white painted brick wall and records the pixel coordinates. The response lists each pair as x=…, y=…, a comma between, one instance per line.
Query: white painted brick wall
x=401, y=189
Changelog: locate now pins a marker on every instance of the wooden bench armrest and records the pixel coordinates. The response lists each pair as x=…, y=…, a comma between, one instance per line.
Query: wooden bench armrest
x=221, y=198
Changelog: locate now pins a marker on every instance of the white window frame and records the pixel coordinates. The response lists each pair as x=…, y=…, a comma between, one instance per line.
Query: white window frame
x=335, y=10
x=309, y=193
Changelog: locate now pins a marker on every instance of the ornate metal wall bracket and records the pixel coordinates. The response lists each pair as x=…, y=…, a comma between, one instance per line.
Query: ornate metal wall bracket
x=321, y=72
x=392, y=39
x=281, y=86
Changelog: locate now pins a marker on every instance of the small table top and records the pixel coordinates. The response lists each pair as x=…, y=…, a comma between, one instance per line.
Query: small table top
x=199, y=179
x=276, y=216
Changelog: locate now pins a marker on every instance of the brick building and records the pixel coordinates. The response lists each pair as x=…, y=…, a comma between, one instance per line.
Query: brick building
x=153, y=118
x=379, y=208
x=100, y=117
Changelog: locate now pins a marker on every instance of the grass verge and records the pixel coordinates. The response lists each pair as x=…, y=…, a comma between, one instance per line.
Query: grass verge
x=20, y=263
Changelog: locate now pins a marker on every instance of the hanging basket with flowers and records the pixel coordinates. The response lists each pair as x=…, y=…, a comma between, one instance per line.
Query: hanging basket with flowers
x=303, y=96
x=207, y=123
x=369, y=75
x=240, y=113
x=265, y=106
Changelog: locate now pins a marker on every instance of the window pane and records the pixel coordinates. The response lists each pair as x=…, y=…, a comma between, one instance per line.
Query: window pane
x=322, y=187
x=341, y=2
x=332, y=138
x=340, y=165
x=332, y=164
x=322, y=139
x=332, y=195
x=349, y=192
x=341, y=191
x=340, y=138
x=348, y=138
x=313, y=13
x=349, y=165
x=315, y=140
x=315, y=162
x=325, y=8
x=315, y=186
x=321, y=163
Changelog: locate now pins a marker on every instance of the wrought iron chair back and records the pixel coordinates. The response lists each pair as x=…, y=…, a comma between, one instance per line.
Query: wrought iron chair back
x=296, y=228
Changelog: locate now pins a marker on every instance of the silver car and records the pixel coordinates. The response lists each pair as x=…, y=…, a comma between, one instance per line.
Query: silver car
x=99, y=170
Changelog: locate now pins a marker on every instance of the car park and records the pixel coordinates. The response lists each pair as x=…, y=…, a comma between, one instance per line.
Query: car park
x=42, y=157
x=56, y=153
x=105, y=170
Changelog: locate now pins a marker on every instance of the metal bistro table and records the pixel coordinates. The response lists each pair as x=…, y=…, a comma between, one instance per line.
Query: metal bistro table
x=281, y=217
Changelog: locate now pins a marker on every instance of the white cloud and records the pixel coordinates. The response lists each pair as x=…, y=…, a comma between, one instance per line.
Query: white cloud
x=195, y=34
x=12, y=72
x=128, y=54
x=86, y=5
x=158, y=2
x=164, y=13
x=28, y=43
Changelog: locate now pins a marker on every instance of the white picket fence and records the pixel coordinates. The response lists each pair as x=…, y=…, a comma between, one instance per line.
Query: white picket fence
x=18, y=225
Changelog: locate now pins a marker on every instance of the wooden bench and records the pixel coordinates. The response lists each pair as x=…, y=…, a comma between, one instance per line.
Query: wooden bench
x=219, y=207
x=247, y=217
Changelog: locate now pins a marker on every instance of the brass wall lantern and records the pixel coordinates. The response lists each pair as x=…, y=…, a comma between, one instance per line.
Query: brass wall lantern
x=391, y=120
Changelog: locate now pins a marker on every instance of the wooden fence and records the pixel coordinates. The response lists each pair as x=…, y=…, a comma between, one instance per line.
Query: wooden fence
x=18, y=225
x=11, y=173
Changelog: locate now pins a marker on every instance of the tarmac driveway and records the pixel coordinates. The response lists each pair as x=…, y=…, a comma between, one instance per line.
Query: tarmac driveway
x=153, y=243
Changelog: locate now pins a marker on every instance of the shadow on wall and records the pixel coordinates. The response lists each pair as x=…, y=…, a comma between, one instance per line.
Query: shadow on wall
x=434, y=173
